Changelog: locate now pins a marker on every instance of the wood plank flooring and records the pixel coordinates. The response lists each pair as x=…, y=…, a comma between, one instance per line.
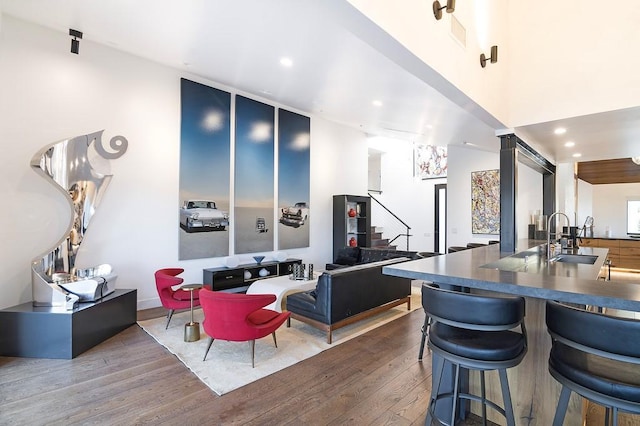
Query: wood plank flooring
x=132, y=380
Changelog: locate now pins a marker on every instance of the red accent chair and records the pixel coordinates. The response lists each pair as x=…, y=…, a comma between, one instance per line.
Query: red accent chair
x=239, y=317
x=173, y=299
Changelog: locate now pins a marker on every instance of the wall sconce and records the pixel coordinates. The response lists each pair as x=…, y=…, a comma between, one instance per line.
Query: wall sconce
x=437, y=9
x=493, y=58
x=75, y=43
x=636, y=160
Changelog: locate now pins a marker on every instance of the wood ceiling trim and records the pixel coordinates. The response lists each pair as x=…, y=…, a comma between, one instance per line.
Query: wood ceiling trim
x=602, y=172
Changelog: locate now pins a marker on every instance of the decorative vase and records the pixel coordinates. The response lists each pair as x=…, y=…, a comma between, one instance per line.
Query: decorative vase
x=247, y=275
x=258, y=259
x=263, y=272
x=231, y=262
x=353, y=242
x=352, y=213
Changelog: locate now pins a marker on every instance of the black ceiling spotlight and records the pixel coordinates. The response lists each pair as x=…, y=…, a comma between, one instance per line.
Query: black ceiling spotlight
x=75, y=43
x=437, y=9
x=493, y=58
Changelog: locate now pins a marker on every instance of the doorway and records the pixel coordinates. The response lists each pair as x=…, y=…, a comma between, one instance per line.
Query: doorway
x=440, y=221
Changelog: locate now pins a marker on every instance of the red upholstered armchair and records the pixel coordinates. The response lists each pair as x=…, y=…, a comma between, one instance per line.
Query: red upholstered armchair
x=173, y=299
x=239, y=317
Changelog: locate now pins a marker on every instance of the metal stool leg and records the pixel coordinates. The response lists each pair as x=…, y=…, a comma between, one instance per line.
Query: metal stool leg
x=437, y=378
x=561, y=410
x=456, y=390
x=484, y=398
x=506, y=397
x=425, y=334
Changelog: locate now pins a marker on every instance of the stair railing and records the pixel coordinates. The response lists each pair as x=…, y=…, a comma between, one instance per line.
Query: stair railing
x=406, y=234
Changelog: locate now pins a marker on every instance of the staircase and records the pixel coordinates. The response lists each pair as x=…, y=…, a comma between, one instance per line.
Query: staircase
x=398, y=229
x=377, y=241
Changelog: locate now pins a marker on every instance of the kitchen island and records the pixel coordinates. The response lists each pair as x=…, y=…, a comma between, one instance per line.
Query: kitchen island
x=528, y=273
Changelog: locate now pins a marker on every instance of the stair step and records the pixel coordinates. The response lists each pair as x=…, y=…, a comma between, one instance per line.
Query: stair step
x=384, y=242
x=376, y=235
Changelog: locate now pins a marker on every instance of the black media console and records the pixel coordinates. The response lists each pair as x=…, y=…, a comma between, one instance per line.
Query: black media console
x=238, y=279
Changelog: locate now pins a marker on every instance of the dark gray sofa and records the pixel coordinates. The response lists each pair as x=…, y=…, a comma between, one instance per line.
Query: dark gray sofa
x=349, y=256
x=346, y=295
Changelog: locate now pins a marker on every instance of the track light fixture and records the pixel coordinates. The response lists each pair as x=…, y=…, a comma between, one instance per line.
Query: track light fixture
x=75, y=43
x=493, y=58
x=437, y=9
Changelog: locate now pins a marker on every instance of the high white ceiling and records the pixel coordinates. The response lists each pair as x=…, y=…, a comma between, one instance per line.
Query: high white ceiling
x=334, y=74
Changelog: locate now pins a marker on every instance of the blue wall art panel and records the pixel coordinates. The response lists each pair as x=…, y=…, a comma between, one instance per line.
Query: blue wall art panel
x=205, y=152
x=254, y=176
x=294, y=136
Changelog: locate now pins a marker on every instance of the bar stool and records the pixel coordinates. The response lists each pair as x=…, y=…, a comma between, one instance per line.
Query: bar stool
x=474, y=332
x=595, y=355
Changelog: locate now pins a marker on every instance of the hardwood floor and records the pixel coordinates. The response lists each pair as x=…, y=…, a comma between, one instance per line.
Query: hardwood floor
x=131, y=379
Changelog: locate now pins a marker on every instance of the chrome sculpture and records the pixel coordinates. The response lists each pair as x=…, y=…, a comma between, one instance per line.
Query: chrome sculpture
x=54, y=278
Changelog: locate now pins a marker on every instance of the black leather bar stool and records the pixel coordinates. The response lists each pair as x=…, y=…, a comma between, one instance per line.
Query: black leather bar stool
x=474, y=332
x=454, y=249
x=475, y=245
x=595, y=355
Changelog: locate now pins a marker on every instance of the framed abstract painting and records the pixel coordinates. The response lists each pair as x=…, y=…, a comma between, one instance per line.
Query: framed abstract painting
x=430, y=161
x=485, y=202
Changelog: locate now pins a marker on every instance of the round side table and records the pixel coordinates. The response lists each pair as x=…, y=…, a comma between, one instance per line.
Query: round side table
x=191, y=329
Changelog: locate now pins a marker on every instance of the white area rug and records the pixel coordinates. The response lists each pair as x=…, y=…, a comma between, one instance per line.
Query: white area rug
x=228, y=364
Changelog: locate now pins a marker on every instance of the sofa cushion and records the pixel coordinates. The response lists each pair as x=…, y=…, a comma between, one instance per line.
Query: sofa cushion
x=346, y=260
x=348, y=291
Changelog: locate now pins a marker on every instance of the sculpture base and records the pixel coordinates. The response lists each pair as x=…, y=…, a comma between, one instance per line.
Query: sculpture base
x=53, y=332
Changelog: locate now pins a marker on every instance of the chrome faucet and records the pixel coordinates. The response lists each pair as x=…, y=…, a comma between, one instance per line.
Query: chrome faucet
x=554, y=233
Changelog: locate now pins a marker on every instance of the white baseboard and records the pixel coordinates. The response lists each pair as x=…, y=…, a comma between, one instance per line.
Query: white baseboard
x=149, y=303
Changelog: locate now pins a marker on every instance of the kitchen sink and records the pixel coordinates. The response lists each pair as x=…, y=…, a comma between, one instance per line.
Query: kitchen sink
x=575, y=258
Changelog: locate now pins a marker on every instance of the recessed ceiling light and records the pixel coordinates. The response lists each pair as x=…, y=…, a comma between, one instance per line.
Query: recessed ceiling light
x=377, y=103
x=286, y=62
x=577, y=154
x=569, y=144
x=560, y=131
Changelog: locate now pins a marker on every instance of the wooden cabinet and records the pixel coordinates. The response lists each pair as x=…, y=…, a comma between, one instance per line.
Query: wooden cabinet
x=238, y=279
x=629, y=254
x=589, y=242
x=351, y=222
x=623, y=253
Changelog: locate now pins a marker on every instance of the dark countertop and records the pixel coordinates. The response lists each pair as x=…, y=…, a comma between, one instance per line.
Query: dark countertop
x=567, y=282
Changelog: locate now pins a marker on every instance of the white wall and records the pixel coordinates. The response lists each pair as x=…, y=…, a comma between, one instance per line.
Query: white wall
x=610, y=207
x=571, y=59
x=49, y=95
x=409, y=197
x=414, y=26
x=556, y=59
x=528, y=199
x=585, y=201
x=463, y=161
x=566, y=188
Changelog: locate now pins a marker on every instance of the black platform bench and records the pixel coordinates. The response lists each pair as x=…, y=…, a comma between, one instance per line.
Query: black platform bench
x=48, y=332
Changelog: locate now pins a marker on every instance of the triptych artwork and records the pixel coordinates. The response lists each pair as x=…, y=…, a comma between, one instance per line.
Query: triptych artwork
x=209, y=213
